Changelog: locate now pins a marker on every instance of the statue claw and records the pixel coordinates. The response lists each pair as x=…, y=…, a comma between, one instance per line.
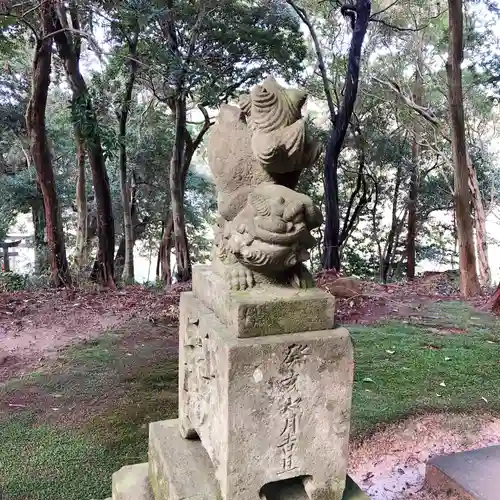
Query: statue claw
x=241, y=278
x=301, y=277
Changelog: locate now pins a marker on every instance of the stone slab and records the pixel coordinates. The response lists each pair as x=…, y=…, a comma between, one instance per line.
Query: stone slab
x=131, y=483
x=266, y=408
x=264, y=311
x=181, y=469
x=472, y=475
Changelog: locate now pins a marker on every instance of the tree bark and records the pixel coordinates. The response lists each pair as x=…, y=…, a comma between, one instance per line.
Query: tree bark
x=359, y=16
x=393, y=232
x=183, y=271
x=480, y=226
x=35, y=123
x=38, y=217
x=82, y=249
x=128, y=229
x=418, y=95
x=166, y=250
x=167, y=243
x=469, y=283
x=87, y=123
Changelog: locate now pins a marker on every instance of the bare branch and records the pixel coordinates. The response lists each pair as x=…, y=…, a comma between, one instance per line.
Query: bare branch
x=385, y=9
x=319, y=55
x=403, y=29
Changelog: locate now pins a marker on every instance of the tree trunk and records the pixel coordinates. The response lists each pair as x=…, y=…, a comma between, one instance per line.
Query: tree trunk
x=82, y=249
x=418, y=94
x=138, y=229
x=359, y=17
x=128, y=229
x=68, y=45
x=494, y=301
x=480, y=226
x=38, y=217
x=469, y=283
x=35, y=123
x=393, y=232
x=166, y=250
x=183, y=272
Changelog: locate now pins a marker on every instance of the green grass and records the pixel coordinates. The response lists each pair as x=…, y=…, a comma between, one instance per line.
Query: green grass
x=399, y=369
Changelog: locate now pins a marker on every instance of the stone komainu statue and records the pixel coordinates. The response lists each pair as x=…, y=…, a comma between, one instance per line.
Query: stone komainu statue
x=256, y=153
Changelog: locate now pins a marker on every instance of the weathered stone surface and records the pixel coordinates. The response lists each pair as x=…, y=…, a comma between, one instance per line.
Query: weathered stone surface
x=293, y=489
x=264, y=311
x=266, y=408
x=256, y=154
x=471, y=475
x=179, y=468
x=131, y=483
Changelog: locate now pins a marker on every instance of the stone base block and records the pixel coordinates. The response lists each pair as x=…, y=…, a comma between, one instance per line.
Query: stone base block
x=263, y=311
x=131, y=483
x=181, y=469
x=266, y=408
x=470, y=475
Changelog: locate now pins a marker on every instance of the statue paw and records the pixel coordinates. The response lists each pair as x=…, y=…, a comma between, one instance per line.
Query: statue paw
x=302, y=278
x=241, y=278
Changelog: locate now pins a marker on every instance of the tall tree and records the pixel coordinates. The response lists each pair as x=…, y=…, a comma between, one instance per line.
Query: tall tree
x=418, y=91
x=82, y=244
x=359, y=16
x=469, y=283
x=128, y=226
x=35, y=122
x=68, y=40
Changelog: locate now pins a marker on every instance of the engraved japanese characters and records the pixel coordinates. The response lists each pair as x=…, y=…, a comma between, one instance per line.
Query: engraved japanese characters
x=256, y=153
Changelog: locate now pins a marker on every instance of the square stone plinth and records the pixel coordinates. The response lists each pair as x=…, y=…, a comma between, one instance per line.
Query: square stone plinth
x=181, y=469
x=472, y=475
x=131, y=483
x=264, y=310
x=266, y=409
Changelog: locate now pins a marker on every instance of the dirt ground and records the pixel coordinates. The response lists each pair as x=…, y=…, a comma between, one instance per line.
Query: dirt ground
x=389, y=465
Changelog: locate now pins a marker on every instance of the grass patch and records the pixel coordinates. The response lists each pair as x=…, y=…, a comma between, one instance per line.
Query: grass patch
x=40, y=463
x=401, y=369
x=151, y=396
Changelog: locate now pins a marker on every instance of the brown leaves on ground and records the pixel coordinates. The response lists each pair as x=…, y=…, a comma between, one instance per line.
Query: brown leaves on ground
x=376, y=301
x=36, y=324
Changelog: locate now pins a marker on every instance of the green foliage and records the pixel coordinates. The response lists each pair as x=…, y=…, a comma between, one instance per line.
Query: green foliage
x=12, y=282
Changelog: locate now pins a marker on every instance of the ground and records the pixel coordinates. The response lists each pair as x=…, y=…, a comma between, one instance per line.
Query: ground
x=82, y=373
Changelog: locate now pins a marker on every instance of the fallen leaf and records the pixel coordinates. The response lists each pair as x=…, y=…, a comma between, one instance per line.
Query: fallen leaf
x=438, y=395
x=447, y=359
x=390, y=352
x=368, y=476
x=484, y=399
x=490, y=342
x=368, y=379
x=442, y=384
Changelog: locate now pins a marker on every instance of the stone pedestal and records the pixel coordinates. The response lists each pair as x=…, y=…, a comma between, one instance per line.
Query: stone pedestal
x=264, y=400
x=470, y=475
